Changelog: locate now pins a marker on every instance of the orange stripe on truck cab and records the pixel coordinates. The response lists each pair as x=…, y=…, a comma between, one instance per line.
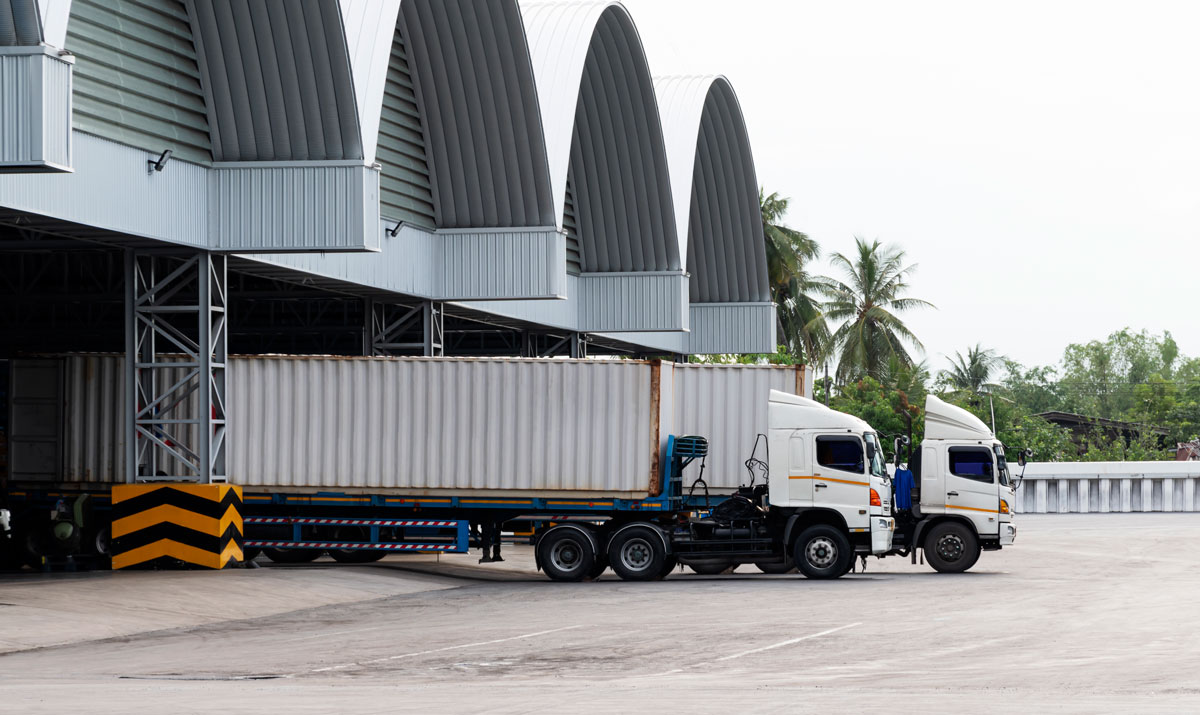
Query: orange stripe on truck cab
x=971, y=508
x=831, y=479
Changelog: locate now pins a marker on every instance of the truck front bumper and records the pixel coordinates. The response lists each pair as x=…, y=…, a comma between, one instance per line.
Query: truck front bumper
x=882, y=528
x=1008, y=533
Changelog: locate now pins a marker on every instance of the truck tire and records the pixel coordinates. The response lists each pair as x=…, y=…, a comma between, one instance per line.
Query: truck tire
x=598, y=568
x=951, y=547
x=669, y=565
x=567, y=554
x=637, y=553
x=775, y=567
x=823, y=551
x=292, y=556
x=354, y=556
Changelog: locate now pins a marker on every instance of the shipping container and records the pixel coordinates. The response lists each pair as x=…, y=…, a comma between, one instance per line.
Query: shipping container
x=442, y=426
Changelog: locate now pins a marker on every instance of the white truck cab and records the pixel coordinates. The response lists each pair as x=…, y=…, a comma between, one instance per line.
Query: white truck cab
x=961, y=492
x=828, y=465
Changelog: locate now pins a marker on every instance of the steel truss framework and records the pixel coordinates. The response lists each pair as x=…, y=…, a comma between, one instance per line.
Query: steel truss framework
x=176, y=351
x=390, y=325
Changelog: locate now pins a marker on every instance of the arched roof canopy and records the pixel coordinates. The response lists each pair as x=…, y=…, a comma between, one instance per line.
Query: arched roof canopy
x=20, y=23
x=479, y=113
x=277, y=80
x=715, y=189
x=603, y=135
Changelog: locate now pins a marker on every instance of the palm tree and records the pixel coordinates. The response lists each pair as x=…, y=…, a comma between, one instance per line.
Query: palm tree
x=867, y=303
x=799, y=322
x=972, y=371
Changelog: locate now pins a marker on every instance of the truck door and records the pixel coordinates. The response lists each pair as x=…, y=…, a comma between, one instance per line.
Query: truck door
x=971, y=487
x=840, y=479
x=800, y=471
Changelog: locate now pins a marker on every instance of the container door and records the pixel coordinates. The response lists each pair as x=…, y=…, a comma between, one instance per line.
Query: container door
x=840, y=480
x=35, y=420
x=971, y=487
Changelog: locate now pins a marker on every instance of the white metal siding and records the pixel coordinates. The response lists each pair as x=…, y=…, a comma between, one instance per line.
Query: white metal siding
x=731, y=328
x=294, y=207
x=35, y=93
x=441, y=425
x=633, y=301
x=728, y=405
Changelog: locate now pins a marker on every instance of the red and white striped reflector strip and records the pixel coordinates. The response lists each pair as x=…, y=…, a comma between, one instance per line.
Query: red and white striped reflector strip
x=345, y=522
x=347, y=545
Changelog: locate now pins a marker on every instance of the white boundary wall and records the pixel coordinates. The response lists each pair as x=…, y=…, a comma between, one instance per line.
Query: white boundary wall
x=1087, y=487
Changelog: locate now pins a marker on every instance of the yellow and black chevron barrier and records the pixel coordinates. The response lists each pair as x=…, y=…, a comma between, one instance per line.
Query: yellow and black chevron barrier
x=163, y=524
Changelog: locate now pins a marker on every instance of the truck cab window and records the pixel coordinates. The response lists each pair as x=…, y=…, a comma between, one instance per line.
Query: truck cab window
x=844, y=453
x=972, y=463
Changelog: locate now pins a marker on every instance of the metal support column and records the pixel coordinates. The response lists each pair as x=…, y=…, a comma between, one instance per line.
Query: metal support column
x=175, y=357
x=392, y=329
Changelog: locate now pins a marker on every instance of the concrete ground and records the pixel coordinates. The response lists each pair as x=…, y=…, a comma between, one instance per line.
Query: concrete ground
x=1087, y=613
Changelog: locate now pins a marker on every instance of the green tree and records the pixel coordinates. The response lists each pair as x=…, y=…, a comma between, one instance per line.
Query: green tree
x=973, y=371
x=867, y=303
x=800, y=324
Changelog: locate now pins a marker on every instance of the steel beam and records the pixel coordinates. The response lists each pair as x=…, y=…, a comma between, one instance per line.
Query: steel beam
x=176, y=347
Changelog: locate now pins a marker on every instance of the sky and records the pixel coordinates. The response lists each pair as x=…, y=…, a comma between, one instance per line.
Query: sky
x=1039, y=162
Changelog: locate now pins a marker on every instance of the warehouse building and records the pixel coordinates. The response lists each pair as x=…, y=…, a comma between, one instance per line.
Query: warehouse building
x=185, y=179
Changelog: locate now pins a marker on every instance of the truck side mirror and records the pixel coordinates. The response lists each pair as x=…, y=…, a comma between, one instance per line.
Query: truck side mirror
x=870, y=451
x=1023, y=456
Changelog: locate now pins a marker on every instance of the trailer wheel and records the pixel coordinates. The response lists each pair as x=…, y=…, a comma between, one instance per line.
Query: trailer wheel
x=710, y=567
x=637, y=553
x=292, y=556
x=775, y=567
x=823, y=551
x=567, y=554
x=354, y=556
x=598, y=568
x=950, y=547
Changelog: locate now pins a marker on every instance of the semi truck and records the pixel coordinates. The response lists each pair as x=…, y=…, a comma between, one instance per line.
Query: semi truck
x=359, y=457
x=954, y=497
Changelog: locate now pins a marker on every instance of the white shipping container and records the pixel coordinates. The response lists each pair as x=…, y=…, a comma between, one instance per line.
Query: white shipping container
x=449, y=425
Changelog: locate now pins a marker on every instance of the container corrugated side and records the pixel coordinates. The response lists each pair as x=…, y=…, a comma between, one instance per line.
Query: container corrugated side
x=728, y=405
x=440, y=426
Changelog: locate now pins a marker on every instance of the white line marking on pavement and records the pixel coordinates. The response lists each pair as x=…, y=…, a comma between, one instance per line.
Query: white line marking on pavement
x=790, y=641
x=442, y=650
x=773, y=646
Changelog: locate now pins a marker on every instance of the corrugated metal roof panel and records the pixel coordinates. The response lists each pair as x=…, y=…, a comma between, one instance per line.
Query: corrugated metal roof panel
x=602, y=129
x=715, y=189
x=136, y=79
x=19, y=23
x=278, y=78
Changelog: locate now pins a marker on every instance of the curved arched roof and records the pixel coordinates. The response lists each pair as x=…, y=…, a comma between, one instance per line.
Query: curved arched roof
x=603, y=134
x=277, y=75
x=715, y=189
x=19, y=23
x=479, y=106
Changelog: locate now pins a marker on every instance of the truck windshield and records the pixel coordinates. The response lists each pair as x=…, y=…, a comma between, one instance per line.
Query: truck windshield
x=1002, y=465
x=877, y=468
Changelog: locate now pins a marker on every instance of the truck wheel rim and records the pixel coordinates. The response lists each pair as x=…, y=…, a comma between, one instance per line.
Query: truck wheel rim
x=637, y=554
x=821, y=552
x=950, y=547
x=566, y=556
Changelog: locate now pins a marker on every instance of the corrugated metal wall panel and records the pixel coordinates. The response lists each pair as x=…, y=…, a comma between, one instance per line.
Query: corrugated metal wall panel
x=633, y=302
x=449, y=265
x=35, y=93
x=405, y=190
x=732, y=328
x=1087, y=487
x=728, y=405
x=136, y=77
x=294, y=208
x=441, y=425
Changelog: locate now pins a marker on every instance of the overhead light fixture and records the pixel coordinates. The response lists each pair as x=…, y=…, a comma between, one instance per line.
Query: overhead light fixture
x=159, y=163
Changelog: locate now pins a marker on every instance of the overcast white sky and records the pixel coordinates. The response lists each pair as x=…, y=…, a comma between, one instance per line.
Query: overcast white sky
x=1039, y=161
